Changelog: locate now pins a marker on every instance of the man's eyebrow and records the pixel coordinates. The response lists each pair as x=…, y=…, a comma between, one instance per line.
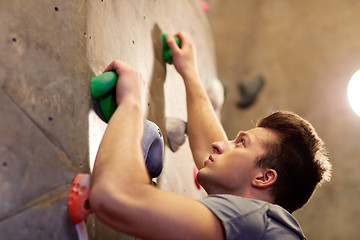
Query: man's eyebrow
x=243, y=134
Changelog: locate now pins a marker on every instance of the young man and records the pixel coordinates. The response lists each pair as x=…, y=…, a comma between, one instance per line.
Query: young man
x=254, y=182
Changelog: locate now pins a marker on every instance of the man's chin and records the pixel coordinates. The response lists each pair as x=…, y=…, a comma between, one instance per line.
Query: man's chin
x=202, y=178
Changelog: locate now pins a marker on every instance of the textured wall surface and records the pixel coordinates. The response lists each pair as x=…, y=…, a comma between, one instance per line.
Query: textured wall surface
x=50, y=50
x=306, y=51
x=44, y=104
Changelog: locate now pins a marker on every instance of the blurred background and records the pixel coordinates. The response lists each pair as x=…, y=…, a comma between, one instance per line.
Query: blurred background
x=306, y=52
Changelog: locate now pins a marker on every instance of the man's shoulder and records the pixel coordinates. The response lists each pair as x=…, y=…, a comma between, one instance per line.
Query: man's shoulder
x=252, y=217
x=239, y=204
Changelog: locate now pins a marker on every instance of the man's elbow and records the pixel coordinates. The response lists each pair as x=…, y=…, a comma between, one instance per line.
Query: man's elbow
x=103, y=202
x=112, y=208
x=97, y=198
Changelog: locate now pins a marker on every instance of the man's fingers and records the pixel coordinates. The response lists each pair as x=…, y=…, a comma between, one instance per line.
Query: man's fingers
x=170, y=40
x=111, y=66
x=182, y=35
x=119, y=67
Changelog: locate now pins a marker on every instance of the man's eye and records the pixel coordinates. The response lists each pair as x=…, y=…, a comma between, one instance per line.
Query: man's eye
x=242, y=142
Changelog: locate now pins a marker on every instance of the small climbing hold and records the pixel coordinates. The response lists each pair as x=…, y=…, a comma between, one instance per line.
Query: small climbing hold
x=175, y=129
x=204, y=5
x=153, y=148
x=195, y=172
x=103, y=92
x=166, y=48
x=79, y=194
x=78, y=203
x=249, y=91
x=216, y=92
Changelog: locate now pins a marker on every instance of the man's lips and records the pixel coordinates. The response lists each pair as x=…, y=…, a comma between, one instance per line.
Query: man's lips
x=209, y=160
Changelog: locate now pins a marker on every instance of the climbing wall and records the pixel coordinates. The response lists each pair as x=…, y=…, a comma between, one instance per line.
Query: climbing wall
x=44, y=103
x=50, y=50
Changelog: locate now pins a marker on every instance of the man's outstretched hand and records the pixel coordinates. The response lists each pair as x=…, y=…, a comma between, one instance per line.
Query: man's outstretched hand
x=184, y=58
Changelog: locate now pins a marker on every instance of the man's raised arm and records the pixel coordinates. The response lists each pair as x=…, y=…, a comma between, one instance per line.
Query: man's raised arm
x=203, y=126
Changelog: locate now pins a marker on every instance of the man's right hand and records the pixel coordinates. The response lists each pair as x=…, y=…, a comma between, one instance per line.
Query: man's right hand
x=184, y=58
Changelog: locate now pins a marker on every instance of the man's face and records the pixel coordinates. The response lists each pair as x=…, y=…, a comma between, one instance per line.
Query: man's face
x=232, y=166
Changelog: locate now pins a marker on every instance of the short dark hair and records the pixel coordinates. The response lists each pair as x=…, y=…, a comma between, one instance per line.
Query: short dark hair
x=299, y=158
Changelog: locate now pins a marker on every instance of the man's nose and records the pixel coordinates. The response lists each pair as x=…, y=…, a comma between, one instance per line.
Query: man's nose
x=219, y=147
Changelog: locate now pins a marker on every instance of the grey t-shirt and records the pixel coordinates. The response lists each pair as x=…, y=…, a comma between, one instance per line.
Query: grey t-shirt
x=252, y=219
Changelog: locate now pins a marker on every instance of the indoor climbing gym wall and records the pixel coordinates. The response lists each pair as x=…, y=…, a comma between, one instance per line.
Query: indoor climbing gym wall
x=49, y=131
x=44, y=105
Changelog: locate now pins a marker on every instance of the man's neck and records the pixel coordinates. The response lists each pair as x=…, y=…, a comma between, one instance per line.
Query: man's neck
x=263, y=195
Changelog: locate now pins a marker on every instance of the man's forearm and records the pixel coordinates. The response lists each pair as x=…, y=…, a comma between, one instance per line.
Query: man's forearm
x=203, y=127
x=120, y=155
x=119, y=167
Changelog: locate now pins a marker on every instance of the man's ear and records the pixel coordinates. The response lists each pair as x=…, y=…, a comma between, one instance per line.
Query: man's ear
x=265, y=178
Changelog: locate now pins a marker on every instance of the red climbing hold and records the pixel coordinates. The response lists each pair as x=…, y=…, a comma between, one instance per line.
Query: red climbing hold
x=78, y=205
x=204, y=5
x=195, y=172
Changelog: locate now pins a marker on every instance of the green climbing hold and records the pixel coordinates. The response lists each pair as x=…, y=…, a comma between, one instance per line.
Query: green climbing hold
x=103, y=84
x=103, y=89
x=167, y=51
